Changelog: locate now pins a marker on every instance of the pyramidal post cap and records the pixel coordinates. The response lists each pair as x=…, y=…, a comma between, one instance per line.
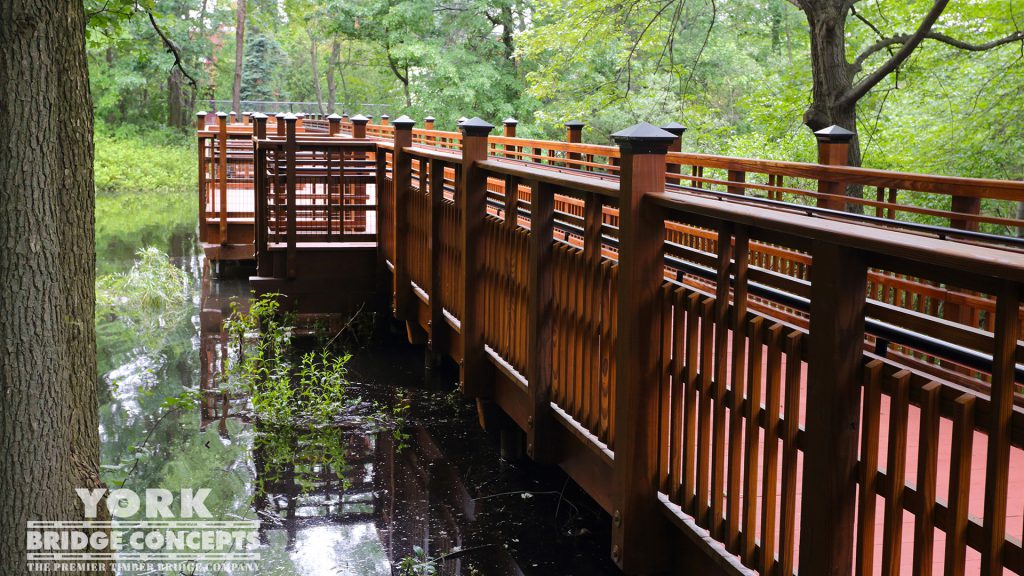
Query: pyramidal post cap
x=222, y=114
x=384, y=116
x=359, y=119
x=429, y=119
x=201, y=113
x=574, y=124
x=675, y=128
x=403, y=121
x=834, y=135
x=290, y=118
x=259, y=116
x=334, y=117
x=280, y=115
x=476, y=126
x=462, y=119
x=643, y=132
x=510, y=121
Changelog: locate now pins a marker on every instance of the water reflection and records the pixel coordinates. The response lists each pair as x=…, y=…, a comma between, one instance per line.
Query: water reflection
x=337, y=500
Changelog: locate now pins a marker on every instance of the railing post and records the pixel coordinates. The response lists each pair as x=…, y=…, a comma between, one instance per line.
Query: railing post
x=965, y=205
x=428, y=124
x=471, y=199
x=290, y=159
x=279, y=118
x=833, y=150
x=259, y=132
x=222, y=141
x=834, y=374
x=384, y=119
x=509, y=131
x=401, y=170
x=359, y=126
x=300, y=122
x=438, y=342
x=574, y=135
x=333, y=125
x=676, y=129
x=203, y=148
x=540, y=314
x=639, y=542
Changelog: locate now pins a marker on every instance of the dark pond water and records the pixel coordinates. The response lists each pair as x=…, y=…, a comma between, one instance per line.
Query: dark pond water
x=335, y=501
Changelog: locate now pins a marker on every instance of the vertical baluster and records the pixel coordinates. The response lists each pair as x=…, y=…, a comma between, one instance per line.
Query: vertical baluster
x=739, y=325
x=771, y=449
x=924, y=520
x=895, y=471
x=752, y=440
x=721, y=366
x=959, y=484
x=790, y=454
x=869, y=469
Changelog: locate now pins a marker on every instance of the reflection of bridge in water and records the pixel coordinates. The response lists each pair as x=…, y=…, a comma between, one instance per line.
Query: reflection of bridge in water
x=342, y=500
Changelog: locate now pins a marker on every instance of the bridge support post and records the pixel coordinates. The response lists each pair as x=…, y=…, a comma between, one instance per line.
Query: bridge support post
x=401, y=175
x=291, y=149
x=834, y=374
x=639, y=530
x=222, y=143
x=574, y=135
x=540, y=326
x=833, y=150
x=204, y=153
x=259, y=132
x=471, y=199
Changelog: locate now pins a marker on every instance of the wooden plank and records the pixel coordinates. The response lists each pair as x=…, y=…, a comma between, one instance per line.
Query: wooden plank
x=704, y=430
x=1007, y=331
x=895, y=471
x=835, y=364
x=869, y=468
x=690, y=405
x=928, y=439
x=790, y=455
x=541, y=319
x=721, y=357
x=771, y=450
x=752, y=441
x=959, y=485
x=739, y=344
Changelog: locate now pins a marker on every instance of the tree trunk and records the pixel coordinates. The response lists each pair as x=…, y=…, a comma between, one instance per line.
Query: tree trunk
x=332, y=87
x=236, y=87
x=175, y=115
x=314, y=58
x=832, y=77
x=49, y=440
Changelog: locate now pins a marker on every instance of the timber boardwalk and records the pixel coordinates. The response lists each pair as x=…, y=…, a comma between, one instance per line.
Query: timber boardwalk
x=746, y=376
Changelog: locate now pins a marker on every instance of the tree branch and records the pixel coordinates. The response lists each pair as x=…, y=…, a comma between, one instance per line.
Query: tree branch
x=869, y=82
x=173, y=49
x=939, y=37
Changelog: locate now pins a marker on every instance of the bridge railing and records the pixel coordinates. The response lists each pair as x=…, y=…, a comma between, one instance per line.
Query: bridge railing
x=745, y=381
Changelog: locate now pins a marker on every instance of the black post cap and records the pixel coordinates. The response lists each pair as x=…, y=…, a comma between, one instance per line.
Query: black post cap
x=259, y=116
x=384, y=116
x=334, y=118
x=280, y=115
x=476, y=127
x=359, y=119
x=644, y=138
x=675, y=128
x=461, y=119
x=510, y=121
x=201, y=113
x=290, y=118
x=222, y=114
x=574, y=124
x=429, y=119
x=403, y=122
x=834, y=135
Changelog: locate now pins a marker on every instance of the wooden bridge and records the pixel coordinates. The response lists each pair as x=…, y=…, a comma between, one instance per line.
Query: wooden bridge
x=748, y=377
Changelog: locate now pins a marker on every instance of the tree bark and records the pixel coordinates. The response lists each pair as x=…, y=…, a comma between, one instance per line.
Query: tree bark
x=314, y=58
x=175, y=114
x=236, y=88
x=49, y=440
x=332, y=87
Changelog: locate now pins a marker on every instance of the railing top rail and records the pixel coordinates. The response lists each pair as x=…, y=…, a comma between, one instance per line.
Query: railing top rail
x=568, y=181
x=1006, y=189
x=964, y=258
x=432, y=153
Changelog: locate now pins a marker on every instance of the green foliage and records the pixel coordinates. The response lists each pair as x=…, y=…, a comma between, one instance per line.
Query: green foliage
x=284, y=387
x=262, y=52
x=417, y=564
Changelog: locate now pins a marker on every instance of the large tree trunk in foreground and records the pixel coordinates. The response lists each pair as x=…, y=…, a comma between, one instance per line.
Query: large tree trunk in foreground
x=49, y=441
x=236, y=87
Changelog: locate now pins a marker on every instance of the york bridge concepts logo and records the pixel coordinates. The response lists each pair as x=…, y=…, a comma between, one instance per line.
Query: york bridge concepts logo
x=145, y=534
